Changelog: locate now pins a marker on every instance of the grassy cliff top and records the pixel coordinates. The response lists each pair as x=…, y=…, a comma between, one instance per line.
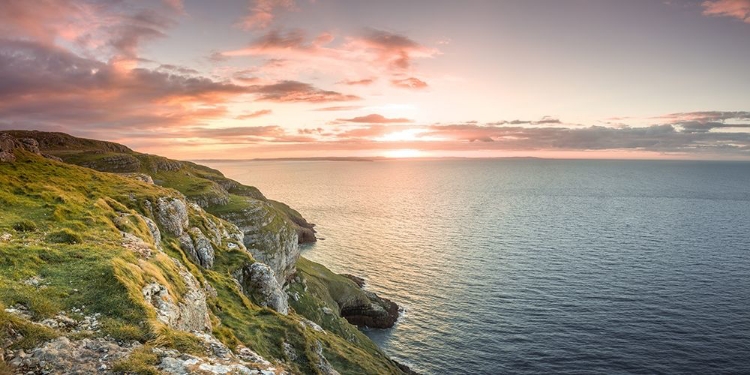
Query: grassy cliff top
x=75, y=241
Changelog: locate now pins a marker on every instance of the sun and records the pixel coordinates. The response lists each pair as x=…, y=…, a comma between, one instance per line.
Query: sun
x=403, y=153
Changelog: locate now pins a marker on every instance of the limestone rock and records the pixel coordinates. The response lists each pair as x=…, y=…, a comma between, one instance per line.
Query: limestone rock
x=198, y=247
x=172, y=214
x=259, y=283
x=7, y=145
x=191, y=314
x=268, y=236
x=154, y=229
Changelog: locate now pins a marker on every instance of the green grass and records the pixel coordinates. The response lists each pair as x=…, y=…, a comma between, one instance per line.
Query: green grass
x=142, y=361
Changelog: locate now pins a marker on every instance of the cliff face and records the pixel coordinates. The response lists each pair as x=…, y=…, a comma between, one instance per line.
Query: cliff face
x=152, y=271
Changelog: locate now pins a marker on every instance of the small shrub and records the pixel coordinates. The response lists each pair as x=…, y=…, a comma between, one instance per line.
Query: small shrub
x=25, y=226
x=65, y=236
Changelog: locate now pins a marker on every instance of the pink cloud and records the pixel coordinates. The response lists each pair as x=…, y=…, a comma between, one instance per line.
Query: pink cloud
x=261, y=13
x=255, y=114
x=359, y=82
x=375, y=119
x=394, y=50
x=409, y=83
x=293, y=91
x=739, y=9
x=374, y=52
x=338, y=108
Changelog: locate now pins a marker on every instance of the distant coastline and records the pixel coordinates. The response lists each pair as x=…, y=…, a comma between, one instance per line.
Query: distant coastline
x=370, y=159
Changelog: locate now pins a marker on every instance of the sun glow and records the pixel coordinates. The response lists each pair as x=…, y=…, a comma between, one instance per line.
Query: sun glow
x=403, y=153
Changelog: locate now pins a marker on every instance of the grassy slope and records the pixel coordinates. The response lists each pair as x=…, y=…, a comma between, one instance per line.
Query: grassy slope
x=87, y=267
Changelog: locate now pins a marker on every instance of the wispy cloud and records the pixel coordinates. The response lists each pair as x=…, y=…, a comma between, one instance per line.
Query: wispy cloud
x=739, y=9
x=261, y=13
x=255, y=114
x=409, y=83
x=358, y=82
x=338, y=108
x=375, y=119
x=293, y=91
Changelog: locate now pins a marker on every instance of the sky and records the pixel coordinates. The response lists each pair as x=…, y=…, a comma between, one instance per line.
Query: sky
x=241, y=79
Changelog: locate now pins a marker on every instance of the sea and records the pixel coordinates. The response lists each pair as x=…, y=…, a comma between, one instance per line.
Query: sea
x=529, y=266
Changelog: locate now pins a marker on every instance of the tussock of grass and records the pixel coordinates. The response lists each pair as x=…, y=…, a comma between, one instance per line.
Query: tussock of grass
x=141, y=361
x=25, y=226
x=65, y=236
x=181, y=341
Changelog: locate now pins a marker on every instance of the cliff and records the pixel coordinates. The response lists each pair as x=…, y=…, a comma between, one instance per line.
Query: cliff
x=113, y=261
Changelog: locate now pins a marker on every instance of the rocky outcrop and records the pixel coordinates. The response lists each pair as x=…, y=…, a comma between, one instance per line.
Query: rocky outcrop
x=172, y=214
x=190, y=314
x=154, y=230
x=198, y=247
x=378, y=312
x=9, y=143
x=268, y=236
x=257, y=281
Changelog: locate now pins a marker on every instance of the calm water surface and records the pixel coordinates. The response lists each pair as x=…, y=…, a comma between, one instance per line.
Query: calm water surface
x=538, y=266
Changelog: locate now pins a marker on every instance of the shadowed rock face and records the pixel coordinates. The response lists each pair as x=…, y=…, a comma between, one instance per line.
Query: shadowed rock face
x=379, y=313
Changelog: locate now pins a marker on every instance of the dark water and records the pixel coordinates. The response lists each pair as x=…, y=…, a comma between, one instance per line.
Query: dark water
x=538, y=266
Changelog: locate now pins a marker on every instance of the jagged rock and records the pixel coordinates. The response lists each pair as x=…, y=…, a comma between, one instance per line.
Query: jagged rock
x=172, y=214
x=378, y=312
x=154, y=229
x=30, y=145
x=7, y=145
x=259, y=283
x=191, y=314
x=198, y=247
x=268, y=236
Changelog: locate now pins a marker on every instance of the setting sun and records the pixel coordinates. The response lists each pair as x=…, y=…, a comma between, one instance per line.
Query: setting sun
x=404, y=153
